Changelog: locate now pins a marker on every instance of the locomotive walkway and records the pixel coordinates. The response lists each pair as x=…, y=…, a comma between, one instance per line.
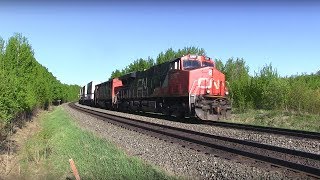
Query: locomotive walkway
x=260, y=155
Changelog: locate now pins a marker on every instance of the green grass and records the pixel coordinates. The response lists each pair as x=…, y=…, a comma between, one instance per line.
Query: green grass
x=280, y=119
x=47, y=154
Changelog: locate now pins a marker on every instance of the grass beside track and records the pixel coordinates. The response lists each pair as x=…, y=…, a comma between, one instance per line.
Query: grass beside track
x=46, y=155
x=279, y=119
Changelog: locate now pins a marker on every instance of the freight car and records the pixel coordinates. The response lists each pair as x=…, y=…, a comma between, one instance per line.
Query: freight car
x=186, y=86
x=87, y=94
x=82, y=94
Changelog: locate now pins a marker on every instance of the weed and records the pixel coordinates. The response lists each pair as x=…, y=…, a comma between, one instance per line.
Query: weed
x=281, y=119
x=60, y=140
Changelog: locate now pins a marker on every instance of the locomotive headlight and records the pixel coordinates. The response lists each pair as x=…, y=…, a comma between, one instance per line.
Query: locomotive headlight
x=193, y=56
x=208, y=91
x=227, y=92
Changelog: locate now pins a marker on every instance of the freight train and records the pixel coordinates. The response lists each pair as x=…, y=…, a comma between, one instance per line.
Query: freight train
x=189, y=86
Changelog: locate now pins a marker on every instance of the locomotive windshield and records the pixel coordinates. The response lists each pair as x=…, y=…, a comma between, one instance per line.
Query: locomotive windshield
x=207, y=64
x=191, y=64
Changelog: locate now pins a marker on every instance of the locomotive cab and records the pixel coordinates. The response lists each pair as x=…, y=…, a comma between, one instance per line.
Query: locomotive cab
x=207, y=90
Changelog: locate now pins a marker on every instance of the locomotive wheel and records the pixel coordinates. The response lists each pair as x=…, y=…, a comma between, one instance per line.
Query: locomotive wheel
x=228, y=114
x=204, y=114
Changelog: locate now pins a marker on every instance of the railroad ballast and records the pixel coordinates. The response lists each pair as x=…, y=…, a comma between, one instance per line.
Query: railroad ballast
x=189, y=86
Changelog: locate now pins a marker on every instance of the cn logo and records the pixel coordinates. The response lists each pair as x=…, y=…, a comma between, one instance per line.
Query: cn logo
x=206, y=83
x=216, y=85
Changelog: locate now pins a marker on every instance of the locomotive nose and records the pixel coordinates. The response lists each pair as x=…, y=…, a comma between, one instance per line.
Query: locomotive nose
x=217, y=88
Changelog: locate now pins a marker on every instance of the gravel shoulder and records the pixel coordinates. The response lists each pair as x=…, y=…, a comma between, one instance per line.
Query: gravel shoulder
x=173, y=158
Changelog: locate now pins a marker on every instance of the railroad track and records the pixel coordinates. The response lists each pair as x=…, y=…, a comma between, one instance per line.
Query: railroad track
x=296, y=163
x=263, y=129
x=272, y=130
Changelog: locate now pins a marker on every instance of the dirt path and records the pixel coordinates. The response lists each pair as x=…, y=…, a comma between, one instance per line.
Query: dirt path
x=10, y=148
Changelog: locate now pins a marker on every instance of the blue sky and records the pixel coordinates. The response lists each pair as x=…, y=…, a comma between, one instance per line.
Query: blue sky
x=87, y=42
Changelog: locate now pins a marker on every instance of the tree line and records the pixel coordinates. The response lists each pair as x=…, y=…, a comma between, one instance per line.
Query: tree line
x=26, y=84
x=266, y=89
x=141, y=64
x=263, y=90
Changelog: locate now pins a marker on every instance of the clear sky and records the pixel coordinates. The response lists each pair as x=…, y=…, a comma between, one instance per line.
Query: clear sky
x=84, y=42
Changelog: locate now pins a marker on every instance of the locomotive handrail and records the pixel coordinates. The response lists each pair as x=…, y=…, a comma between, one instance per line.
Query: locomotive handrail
x=231, y=94
x=190, y=94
